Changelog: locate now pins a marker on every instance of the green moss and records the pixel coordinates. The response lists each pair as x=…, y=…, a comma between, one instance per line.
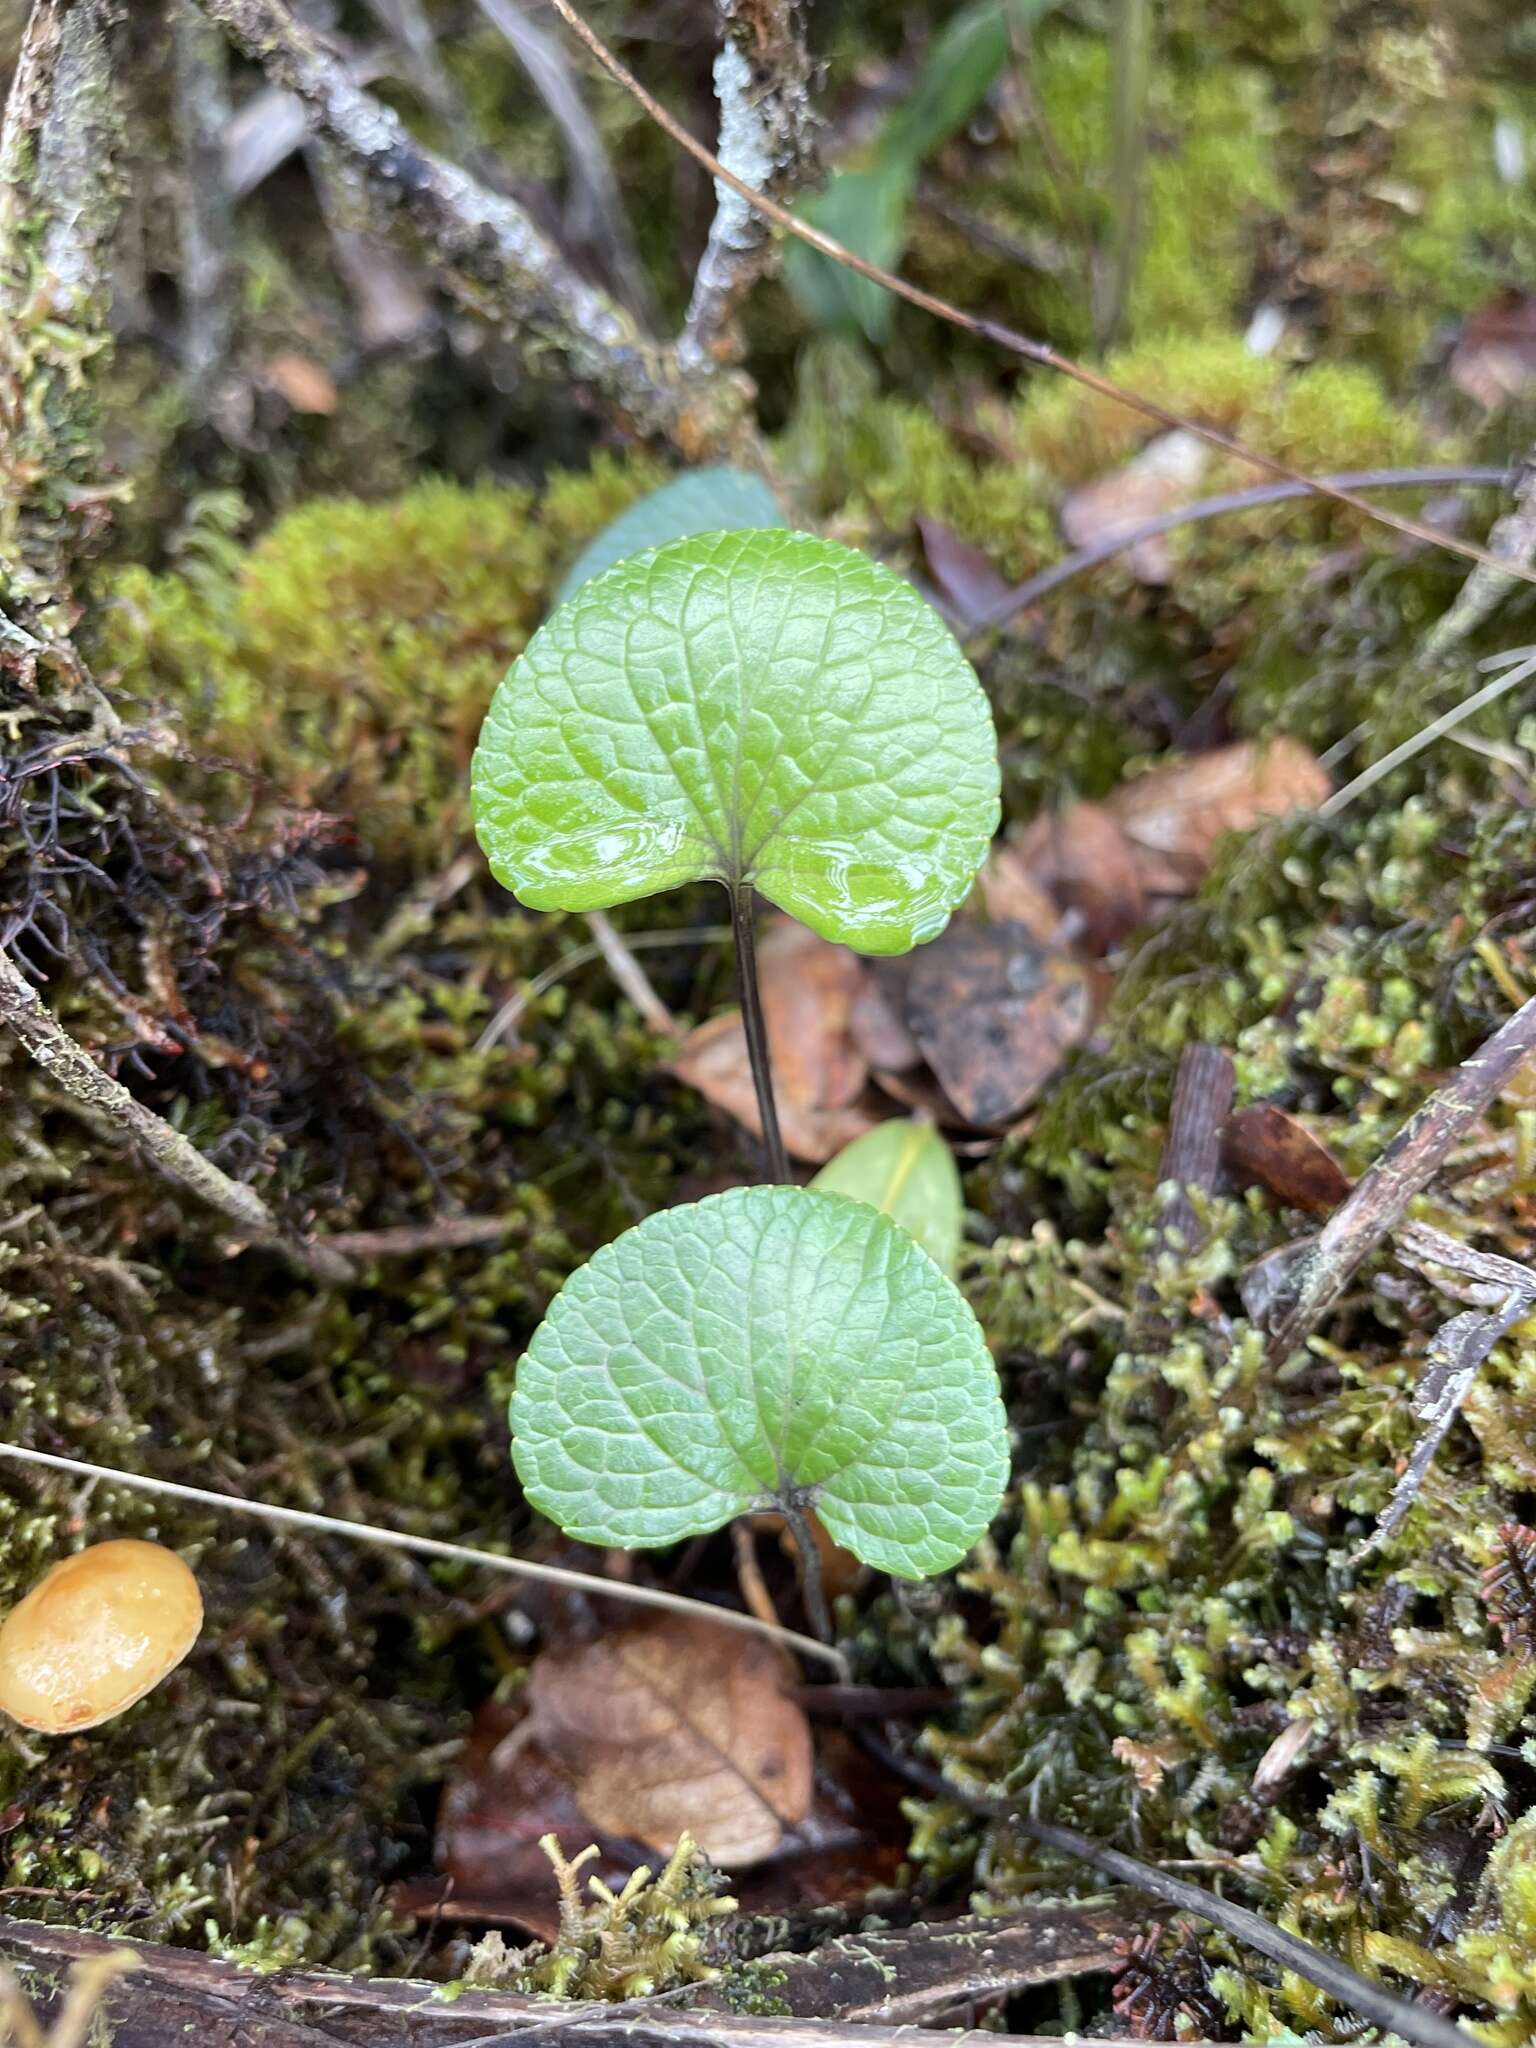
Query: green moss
x=653, y=1934
x=1172, y=1586
x=349, y=656
x=1208, y=186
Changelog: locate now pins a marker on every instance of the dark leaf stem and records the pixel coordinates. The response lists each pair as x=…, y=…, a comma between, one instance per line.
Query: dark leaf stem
x=810, y=1569
x=1373, y=2002
x=756, y=1029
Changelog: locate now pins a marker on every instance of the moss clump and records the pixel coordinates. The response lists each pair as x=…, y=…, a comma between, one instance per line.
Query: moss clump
x=1208, y=186
x=873, y=463
x=653, y=1934
x=1323, y=416
x=350, y=654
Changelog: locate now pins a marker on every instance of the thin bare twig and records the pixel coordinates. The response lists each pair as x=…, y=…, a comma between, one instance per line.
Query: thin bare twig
x=206, y=209
x=431, y=1546
x=1026, y=346
x=97, y=1093
x=510, y=1014
x=1505, y=1292
x=1373, y=2002
x=404, y=1240
x=630, y=975
x=1516, y=671
x=594, y=212
x=1044, y=581
x=1381, y=1196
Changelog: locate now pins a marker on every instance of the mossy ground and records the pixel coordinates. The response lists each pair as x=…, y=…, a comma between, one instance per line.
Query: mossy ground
x=285, y=942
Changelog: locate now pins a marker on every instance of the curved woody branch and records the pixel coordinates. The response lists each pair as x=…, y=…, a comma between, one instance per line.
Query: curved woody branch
x=486, y=250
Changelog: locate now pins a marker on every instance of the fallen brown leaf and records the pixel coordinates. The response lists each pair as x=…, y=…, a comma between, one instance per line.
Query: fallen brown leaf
x=1165, y=475
x=1494, y=359
x=809, y=989
x=1174, y=815
x=301, y=383
x=506, y=1792
x=995, y=1014
x=671, y=1725
x=1081, y=860
x=878, y=1031
x=1263, y=1143
x=970, y=584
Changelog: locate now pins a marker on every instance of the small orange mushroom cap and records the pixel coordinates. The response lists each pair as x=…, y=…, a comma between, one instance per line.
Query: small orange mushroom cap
x=95, y=1634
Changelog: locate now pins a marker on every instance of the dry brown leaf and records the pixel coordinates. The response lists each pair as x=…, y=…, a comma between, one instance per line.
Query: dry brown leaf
x=1494, y=359
x=809, y=989
x=672, y=1725
x=507, y=1791
x=970, y=584
x=877, y=1030
x=1263, y=1143
x=1081, y=859
x=995, y=1014
x=303, y=385
x=1174, y=815
x=1013, y=893
x=1165, y=475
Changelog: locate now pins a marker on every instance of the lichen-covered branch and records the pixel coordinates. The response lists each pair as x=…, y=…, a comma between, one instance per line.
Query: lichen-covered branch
x=485, y=249
x=60, y=198
x=762, y=82
x=1381, y=1197
x=1513, y=539
x=98, y=1094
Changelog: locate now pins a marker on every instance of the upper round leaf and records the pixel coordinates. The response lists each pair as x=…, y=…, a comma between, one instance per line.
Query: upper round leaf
x=763, y=1343
x=762, y=708
x=699, y=501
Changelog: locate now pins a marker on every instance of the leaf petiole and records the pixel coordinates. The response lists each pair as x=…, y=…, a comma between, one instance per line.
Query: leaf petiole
x=756, y=1029
x=810, y=1568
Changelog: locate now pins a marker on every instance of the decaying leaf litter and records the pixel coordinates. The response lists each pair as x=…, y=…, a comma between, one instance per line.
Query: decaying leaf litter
x=259, y=917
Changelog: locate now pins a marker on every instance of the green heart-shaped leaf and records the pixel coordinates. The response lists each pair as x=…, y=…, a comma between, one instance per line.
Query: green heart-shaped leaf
x=905, y=1168
x=766, y=709
x=698, y=501
x=763, y=1345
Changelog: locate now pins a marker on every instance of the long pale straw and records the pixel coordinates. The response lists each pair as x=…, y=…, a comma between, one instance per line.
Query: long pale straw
x=430, y=1546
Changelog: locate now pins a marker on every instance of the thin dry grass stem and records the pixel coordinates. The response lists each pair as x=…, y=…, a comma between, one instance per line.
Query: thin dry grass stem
x=430, y=1546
